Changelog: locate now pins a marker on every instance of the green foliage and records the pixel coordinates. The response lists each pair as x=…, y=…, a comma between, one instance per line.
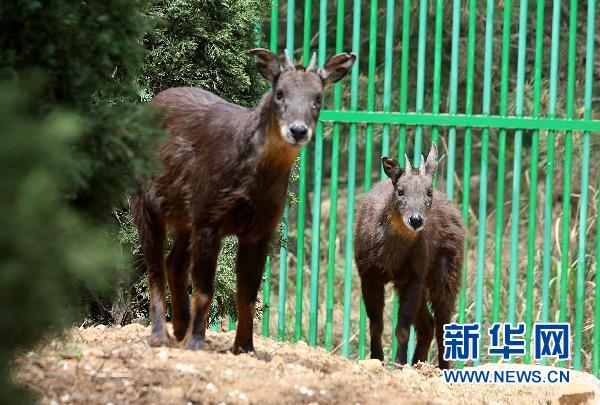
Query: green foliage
x=205, y=44
x=47, y=250
x=89, y=54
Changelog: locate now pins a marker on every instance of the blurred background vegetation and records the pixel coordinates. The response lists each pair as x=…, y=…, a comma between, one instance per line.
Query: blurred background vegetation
x=74, y=77
x=76, y=139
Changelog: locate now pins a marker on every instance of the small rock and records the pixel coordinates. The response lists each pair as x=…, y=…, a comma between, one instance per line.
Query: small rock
x=576, y=393
x=370, y=364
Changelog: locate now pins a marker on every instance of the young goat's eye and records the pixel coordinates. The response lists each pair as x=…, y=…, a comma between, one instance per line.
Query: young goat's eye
x=317, y=102
x=400, y=193
x=279, y=94
x=429, y=193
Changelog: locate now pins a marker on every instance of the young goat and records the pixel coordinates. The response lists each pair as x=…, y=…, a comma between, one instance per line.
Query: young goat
x=226, y=172
x=411, y=235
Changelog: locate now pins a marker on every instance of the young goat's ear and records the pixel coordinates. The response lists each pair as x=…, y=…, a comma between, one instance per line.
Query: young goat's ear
x=267, y=63
x=337, y=67
x=431, y=163
x=391, y=168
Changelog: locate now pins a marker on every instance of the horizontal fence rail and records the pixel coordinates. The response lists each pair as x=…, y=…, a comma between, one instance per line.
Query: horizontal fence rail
x=506, y=92
x=460, y=120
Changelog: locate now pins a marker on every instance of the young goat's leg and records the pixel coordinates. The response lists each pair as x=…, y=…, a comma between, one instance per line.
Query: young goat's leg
x=151, y=231
x=424, y=325
x=442, y=310
x=178, y=263
x=250, y=266
x=205, y=249
x=410, y=299
x=372, y=292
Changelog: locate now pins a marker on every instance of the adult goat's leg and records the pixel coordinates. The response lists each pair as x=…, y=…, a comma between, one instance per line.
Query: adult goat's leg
x=151, y=231
x=250, y=267
x=205, y=249
x=178, y=264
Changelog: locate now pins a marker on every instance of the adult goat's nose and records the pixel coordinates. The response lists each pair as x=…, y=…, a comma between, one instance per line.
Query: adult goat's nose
x=415, y=221
x=298, y=131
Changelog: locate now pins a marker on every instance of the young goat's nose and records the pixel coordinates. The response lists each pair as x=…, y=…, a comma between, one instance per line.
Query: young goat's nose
x=415, y=221
x=298, y=131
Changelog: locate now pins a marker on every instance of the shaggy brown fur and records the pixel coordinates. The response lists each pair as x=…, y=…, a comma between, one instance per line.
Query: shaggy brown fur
x=421, y=257
x=226, y=171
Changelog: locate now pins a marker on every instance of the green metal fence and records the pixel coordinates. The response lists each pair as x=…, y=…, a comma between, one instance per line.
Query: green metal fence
x=506, y=90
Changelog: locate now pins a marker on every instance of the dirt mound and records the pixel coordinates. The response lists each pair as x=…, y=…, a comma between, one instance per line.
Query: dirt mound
x=116, y=365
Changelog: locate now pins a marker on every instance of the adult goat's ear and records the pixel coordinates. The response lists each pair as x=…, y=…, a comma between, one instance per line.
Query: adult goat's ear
x=337, y=67
x=391, y=168
x=267, y=63
x=432, y=161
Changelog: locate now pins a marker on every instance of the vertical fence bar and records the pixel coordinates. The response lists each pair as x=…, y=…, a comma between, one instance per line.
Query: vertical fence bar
x=404, y=77
x=333, y=194
x=483, y=195
x=437, y=70
x=289, y=26
x=387, y=95
x=453, y=96
x=351, y=189
x=589, y=78
x=267, y=276
x=387, y=78
x=596, y=347
x=580, y=284
x=289, y=43
x=302, y=191
x=371, y=93
x=267, y=298
x=467, y=152
x=402, y=134
x=564, y=263
x=316, y=220
x=566, y=216
x=516, y=191
x=369, y=131
x=585, y=173
x=501, y=160
x=418, y=142
x=282, y=274
x=421, y=49
x=531, y=226
x=554, y=47
x=596, y=343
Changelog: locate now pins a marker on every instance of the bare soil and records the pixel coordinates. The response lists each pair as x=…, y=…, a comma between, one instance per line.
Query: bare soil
x=115, y=365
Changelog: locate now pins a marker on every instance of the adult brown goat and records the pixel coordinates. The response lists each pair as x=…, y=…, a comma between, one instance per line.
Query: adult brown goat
x=409, y=234
x=225, y=172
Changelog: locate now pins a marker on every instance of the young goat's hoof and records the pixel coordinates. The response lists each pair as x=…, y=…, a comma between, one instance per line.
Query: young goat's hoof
x=158, y=340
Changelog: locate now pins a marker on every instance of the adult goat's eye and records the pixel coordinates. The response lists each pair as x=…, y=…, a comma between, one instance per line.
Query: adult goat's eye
x=429, y=193
x=317, y=102
x=400, y=193
x=279, y=94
